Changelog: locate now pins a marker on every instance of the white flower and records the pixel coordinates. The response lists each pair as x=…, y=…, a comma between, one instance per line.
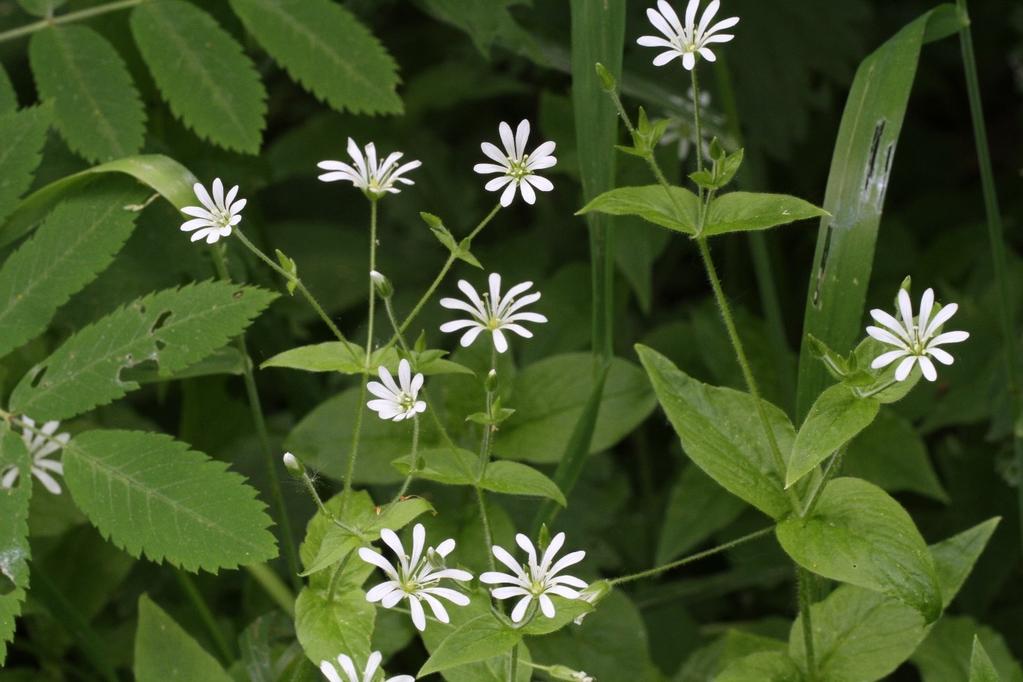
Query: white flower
x=348, y=667
x=915, y=341
x=217, y=215
x=686, y=41
x=535, y=581
x=397, y=402
x=371, y=177
x=683, y=132
x=492, y=313
x=40, y=446
x=416, y=577
x=517, y=168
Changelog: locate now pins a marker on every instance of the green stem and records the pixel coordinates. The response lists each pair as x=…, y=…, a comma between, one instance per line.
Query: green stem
x=191, y=591
x=513, y=669
x=830, y=470
x=412, y=465
x=360, y=408
x=691, y=558
x=256, y=410
x=274, y=587
x=803, y=580
x=485, y=446
x=698, y=128
x=67, y=19
x=996, y=237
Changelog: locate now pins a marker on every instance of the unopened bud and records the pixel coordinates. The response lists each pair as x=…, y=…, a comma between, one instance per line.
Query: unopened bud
x=381, y=284
x=593, y=595
x=560, y=672
x=293, y=465
x=491, y=381
x=607, y=79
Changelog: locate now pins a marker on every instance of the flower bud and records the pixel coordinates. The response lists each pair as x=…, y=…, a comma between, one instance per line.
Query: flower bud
x=490, y=383
x=560, y=672
x=593, y=594
x=381, y=284
x=293, y=465
x=607, y=79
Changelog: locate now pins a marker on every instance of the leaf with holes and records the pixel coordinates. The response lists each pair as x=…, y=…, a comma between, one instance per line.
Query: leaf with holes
x=24, y=136
x=165, y=652
x=326, y=49
x=150, y=494
x=98, y=109
x=76, y=243
x=202, y=72
x=14, y=548
x=174, y=328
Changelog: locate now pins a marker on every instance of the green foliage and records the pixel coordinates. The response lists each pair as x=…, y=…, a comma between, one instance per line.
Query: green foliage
x=696, y=509
x=97, y=107
x=14, y=547
x=173, y=328
x=859, y=535
x=78, y=241
x=476, y=640
x=165, y=652
x=24, y=136
x=201, y=71
x=486, y=21
x=981, y=667
x=764, y=666
x=326, y=49
x=40, y=8
x=834, y=420
x=678, y=211
x=349, y=358
x=151, y=494
x=746, y=211
x=460, y=250
x=949, y=652
x=328, y=627
x=8, y=98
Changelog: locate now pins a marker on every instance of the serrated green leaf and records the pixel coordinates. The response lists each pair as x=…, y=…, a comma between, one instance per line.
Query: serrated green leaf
x=24, y=136
x=164, y=652
x=97, y=107
x=834, y=420
x=175, y=328
x=981, y=667
x=746, y=211
x=678, y=211
x=77, y=242
x=202, y=72
x=326, y=49
x=859, y=535
x=326, y=628
x=479, y=639
x=8, y=98
x=721, y=433
x=14, y=548
x=152, y=495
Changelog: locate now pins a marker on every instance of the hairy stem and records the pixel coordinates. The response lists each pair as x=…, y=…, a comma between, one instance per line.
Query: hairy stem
x=513, y=669
x=69, y=18
x=413, y=455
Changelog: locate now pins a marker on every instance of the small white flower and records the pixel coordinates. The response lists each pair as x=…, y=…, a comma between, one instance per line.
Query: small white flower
x=683, y=132
x=416, y=577
x=397, y=401
x=915, y=341
x=517, y=168
x=686, y=41
x=371, y=177
x=492, y=313
x=40, y=446
x=535, y=580
x=217, y=215
x=352, y=675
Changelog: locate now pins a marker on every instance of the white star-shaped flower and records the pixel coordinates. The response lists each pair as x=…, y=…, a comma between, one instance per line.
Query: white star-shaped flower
x=517, y=168
x=397, y=401
x=217, y=215
x=915, y=341
x=376, y=179
x=535, y=580
x=416, y=577
x=686, y=41
x=40, y=447
x=352, y=675
x=492, y=312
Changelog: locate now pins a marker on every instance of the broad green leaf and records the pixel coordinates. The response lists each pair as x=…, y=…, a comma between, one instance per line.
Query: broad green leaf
x=765, y=666
x=14, y=547
x=97, y=107
x=40, y=8
x=8, y=98
x=549, y=397
x=202, y=72
x=834, y=420
x=566, y=611
x=678, y=211
x=152, y=495
x=165, y=652
x=481, y=638
x=24, y=136
x=949, y=651
x=981, y=667
x=722, y=434
x=745, y=211
x=452, y=466
x=483, y=20
x=327, y=628
x=891, y=454
x=163, y=174
x=696, y=510
x=326, y=49
x=77, y=242
x=512, y=478
x=858, y=534
x=860, y=170
x=954, y=558
x=175, y=328
x=348, y=358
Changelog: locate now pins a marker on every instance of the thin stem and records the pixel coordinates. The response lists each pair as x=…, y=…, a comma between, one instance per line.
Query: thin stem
x=205, y=615
x=698, y=126
x=874, y=391
x=361, y=406
x=803, y=580
x=996, y=237
x=830, y=470
x=485, y=446
x=274, y=587
x=513, y=669
x=256, y=410
x=335, y=577
x=691, y=558
x=412, y=465
x=70, y=18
